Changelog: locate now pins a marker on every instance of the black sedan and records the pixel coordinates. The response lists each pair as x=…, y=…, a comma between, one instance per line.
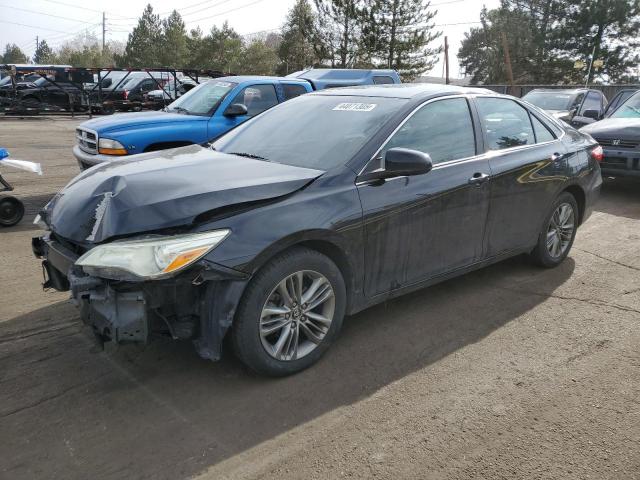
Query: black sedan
x=619, y=136
x=316, y=209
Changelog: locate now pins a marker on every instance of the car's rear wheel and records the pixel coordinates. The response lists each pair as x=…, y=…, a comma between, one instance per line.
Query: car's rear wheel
x=558, y=233
x=290, y=314
x=11, y=211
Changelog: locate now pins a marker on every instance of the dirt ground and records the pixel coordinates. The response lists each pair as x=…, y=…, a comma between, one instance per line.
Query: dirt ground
x=508, y=372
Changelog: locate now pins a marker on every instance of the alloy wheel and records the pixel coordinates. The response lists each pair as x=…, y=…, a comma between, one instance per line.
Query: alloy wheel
x=560, y=231
x=297, y=315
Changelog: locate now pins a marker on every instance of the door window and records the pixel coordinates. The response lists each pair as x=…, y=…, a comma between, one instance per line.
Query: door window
x=543, y=134
x=293, y=91
x=382, y=80
x=576, y=102
x=443, y=129
x=592, y=102
x=505, y=123
x=257, y=98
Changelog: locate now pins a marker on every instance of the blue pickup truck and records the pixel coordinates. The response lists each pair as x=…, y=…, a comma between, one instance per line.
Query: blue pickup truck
x=206, y=112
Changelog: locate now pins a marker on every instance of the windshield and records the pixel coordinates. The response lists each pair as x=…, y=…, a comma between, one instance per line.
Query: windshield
x=549, y=100
x=312, y=131
x=629, y=109
x=203, y=99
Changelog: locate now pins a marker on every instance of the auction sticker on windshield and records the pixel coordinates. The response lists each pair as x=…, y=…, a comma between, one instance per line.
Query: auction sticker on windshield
x=355, y=107
x=222, y=84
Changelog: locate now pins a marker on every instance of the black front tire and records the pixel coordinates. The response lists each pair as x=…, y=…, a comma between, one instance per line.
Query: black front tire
x=540, y=254
x=11, y=211
x=245, y=331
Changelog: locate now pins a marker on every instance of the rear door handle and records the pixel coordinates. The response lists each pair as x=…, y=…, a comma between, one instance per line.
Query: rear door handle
x=479, y=178
x=556, y=156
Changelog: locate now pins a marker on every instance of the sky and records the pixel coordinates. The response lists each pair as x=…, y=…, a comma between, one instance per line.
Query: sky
x=58, y=21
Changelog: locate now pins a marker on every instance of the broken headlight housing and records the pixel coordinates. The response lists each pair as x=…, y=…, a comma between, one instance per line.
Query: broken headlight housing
x=149, y=258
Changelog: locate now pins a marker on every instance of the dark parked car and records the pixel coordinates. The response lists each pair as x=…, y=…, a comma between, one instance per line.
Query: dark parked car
x=318, y=208
x=619, y=136
x=122, y=92
x=618, y=100
x=577, y=107
x=42, y=94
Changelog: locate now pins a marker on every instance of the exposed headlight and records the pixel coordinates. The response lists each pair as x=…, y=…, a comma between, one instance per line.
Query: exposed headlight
x=150, y=258
x=107, y=146
x=40, y=222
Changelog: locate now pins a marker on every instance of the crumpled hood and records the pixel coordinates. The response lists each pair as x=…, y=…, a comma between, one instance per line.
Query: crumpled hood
x=114, y=122
x=165, y=189
x=620, y=128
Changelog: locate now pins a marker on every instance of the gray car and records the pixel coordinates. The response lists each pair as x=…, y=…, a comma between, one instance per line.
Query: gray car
x=619, y=136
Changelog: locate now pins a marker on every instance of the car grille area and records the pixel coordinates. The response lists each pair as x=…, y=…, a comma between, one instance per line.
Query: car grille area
x=615, y=143
x=87, y=140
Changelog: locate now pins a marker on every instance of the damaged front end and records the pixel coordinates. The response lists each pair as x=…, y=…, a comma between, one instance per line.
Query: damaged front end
x=197, y=304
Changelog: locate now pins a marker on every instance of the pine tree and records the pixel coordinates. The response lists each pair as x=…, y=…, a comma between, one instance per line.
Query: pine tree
x=173, y=52
x=341, y=27
x=400, y=34
x=301, y=44
x=259, y=58
x=605, y=30
x=43, y=53
x=143, y=45
x=13, y=54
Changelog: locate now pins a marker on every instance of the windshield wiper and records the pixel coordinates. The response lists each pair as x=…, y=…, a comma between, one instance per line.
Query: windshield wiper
x=637, y=110
x=248, y=155
x=179, y=110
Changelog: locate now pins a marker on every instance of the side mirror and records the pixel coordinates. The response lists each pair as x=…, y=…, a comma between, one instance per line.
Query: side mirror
x=236, y=110
x=401, y=162
x=594, y=114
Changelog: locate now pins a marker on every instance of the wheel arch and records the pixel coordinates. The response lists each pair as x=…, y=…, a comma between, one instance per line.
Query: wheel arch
x=328, y=243
x=581, y=199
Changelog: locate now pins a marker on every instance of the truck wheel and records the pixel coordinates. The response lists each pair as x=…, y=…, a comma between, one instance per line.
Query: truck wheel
x=558, y=233
x=11, y=211
x=290, y=313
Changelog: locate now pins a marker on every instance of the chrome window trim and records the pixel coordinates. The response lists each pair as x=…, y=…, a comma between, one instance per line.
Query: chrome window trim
x=487, y=154
x=406, y=119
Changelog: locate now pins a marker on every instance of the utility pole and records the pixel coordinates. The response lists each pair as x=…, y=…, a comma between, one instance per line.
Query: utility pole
x=446, y=60
x=104, y=28
x=37, y=43
x=507, y=61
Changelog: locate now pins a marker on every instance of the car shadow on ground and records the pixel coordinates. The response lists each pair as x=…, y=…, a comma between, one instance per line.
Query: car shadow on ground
x=620, y=197
x=161, y=412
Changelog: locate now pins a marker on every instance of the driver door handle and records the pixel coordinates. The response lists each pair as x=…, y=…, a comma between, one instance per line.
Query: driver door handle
x=479, y=178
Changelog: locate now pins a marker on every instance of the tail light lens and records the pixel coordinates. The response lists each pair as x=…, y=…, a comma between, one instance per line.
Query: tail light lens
x=126, y=94
x=597, y=153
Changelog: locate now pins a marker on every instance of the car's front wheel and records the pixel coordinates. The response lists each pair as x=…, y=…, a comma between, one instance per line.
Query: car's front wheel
x=290, y=313
x=558, y=233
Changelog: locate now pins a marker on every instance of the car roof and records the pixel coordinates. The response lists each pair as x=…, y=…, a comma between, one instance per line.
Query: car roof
x=571, y=91
x=403, y=90
x=340, y=73
x=254, y=78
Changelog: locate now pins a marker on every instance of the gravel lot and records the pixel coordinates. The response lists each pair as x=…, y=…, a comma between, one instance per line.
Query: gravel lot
x=508, y=372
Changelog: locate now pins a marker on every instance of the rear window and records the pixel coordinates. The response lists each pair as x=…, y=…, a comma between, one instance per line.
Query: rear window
x=293, y=91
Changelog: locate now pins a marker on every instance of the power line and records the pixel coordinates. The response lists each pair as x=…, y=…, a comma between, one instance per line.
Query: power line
x=45, y=14
x=31, y=26
x=181, y=9
x=81, y=8
x=225, y=12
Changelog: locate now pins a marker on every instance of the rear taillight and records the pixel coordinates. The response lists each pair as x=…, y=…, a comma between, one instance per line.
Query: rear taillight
x=126, y=94
x=597, y=153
